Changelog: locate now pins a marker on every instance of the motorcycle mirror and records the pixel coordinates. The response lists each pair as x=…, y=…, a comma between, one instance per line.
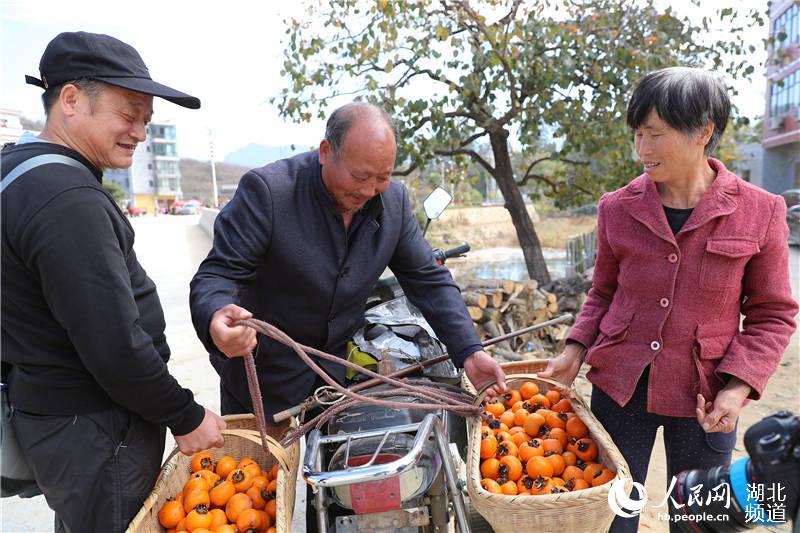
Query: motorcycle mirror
x=436, y=203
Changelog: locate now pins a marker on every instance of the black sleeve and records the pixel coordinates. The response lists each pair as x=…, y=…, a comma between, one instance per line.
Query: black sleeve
x=431, y=288
x=75, y=245
x=241, y=238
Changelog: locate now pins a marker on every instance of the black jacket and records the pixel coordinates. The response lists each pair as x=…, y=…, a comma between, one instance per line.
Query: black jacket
x=282, y=252
x=82, y=325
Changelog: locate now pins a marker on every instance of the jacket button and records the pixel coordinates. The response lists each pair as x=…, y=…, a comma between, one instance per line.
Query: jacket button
x=672, y=258
x=664, y=302
x=655, y=346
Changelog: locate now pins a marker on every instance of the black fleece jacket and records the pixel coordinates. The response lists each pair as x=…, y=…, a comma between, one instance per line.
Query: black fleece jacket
x=82, y=325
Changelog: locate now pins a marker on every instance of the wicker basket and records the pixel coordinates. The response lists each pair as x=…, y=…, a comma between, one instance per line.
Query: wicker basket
x=581, y=511
x=241, y=439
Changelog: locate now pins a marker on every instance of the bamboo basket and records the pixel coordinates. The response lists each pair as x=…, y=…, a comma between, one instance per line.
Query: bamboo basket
x=241, y=439
x=582, y=511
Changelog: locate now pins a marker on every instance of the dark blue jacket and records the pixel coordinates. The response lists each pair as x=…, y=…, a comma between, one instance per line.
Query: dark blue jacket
x=282, y=252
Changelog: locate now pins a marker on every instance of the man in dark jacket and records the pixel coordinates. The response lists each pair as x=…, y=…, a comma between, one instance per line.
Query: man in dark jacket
x=84, y=351
x=300, y=246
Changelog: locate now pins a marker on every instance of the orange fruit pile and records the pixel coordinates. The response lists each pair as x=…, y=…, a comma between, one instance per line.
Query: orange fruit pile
x=223, y=496
x=533, y=443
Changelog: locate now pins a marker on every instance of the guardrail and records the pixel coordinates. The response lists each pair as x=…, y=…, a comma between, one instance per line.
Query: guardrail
x=207, y=217
x=581, y=253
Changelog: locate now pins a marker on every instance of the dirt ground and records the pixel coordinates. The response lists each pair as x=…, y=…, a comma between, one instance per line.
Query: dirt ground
x=491, y=227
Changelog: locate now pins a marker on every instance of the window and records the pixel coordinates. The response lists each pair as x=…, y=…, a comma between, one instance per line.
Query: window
x=785, y=99
x=788, y=24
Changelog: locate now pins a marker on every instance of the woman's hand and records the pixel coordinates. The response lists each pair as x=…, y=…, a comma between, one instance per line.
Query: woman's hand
x=565, y=367
x=721, y=415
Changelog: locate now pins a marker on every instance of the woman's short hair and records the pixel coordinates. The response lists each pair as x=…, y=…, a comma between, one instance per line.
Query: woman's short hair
x=685, y=98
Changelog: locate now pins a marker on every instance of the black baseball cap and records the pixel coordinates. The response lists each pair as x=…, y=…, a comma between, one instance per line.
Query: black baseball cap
x=74, y=55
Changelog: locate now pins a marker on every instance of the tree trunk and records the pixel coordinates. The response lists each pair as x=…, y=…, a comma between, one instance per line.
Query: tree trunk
x=515, y=204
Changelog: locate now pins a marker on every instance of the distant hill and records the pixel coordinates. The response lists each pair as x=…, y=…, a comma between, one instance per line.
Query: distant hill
x=258, y=155
x=196, y=178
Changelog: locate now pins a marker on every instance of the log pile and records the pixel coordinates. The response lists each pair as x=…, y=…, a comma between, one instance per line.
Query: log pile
x=498, y=307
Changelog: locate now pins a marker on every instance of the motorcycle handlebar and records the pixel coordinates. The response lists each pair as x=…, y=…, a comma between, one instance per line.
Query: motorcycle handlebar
x=457, y=251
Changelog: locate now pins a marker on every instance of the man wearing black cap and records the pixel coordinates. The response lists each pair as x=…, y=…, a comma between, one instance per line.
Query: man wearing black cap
x=84, y=351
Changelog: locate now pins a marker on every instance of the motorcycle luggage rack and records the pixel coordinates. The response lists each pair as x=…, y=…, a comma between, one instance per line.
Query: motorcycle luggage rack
x=431, y=424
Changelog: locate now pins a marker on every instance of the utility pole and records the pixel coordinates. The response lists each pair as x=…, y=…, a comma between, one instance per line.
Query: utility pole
x=213, y=168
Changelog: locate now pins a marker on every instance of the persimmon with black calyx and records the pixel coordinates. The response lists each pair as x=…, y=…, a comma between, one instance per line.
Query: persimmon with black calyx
x=562, y=406
x=553, y=396
x=570, y=458
x=519, y=438
x=525, y=484
x=225, y=466
x=559, y=434
x=171, y=513
x=576, y=429
x=218, y=518
x=489, y=468
x=208, y=475
x=539, y=466
x=199, y=517
x=576, y=484
x=491, y=485
x=195, y=497
x=603, y=477
x=586, y=449
x=202, y=461
x=196, y=483
x=533, y=423
x=571, y=472
x=221, y=493
x=530, y=449
x=550, y=445
x=528, y=390
x=495, y=408
x=507, y=418
x=509, y=488
x=271, y=508
x=557, y=461
x=488, y=447
x=511, y=397
x=591, y=471
x=257, y=496
x=241, y=479
x=239, y=502
x=506, y=447
x=539, y=401
x=520, y=416
x=516, y=407
x=249, y=519
x=556, y=420
x=511, y=466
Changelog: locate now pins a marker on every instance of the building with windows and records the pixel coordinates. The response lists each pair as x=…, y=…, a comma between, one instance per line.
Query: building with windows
x=781, y=137
x=154, y=179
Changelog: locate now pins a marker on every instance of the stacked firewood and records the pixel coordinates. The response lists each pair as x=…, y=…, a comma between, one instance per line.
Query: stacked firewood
x=498, y=307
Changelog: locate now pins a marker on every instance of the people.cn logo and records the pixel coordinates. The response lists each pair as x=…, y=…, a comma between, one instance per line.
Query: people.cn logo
x=621, y=503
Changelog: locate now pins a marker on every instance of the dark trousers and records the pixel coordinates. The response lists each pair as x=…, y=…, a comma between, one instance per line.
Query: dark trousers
x=633, y=430
x=95, y=469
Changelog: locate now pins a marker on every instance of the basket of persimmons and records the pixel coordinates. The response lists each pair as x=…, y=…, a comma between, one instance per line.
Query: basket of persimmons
x=539, y=460
x=237, y=488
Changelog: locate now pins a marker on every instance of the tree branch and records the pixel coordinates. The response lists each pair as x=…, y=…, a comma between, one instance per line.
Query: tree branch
x=471, y=153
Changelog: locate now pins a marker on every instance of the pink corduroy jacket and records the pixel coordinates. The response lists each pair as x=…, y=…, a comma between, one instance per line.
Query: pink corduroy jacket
x=674, y=302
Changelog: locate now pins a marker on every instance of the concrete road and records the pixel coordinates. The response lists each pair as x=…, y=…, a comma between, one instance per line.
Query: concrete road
x=171, y=248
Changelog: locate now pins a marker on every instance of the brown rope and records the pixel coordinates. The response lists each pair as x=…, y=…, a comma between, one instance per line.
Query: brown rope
x=255, y=398
x=437, y=399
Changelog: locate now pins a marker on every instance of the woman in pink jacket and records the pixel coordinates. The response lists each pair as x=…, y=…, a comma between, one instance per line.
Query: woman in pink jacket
x=683, y=251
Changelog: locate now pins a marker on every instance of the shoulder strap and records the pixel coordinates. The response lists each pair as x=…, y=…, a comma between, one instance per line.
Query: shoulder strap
x=37, y=161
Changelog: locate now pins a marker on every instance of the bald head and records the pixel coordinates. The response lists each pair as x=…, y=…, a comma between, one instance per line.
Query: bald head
x=368, y=117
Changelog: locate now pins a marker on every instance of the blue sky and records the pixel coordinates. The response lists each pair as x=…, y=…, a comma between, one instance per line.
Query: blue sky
x=230, y=57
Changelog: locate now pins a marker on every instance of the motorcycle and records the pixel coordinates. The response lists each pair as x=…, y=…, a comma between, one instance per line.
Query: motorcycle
x=376, y=468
